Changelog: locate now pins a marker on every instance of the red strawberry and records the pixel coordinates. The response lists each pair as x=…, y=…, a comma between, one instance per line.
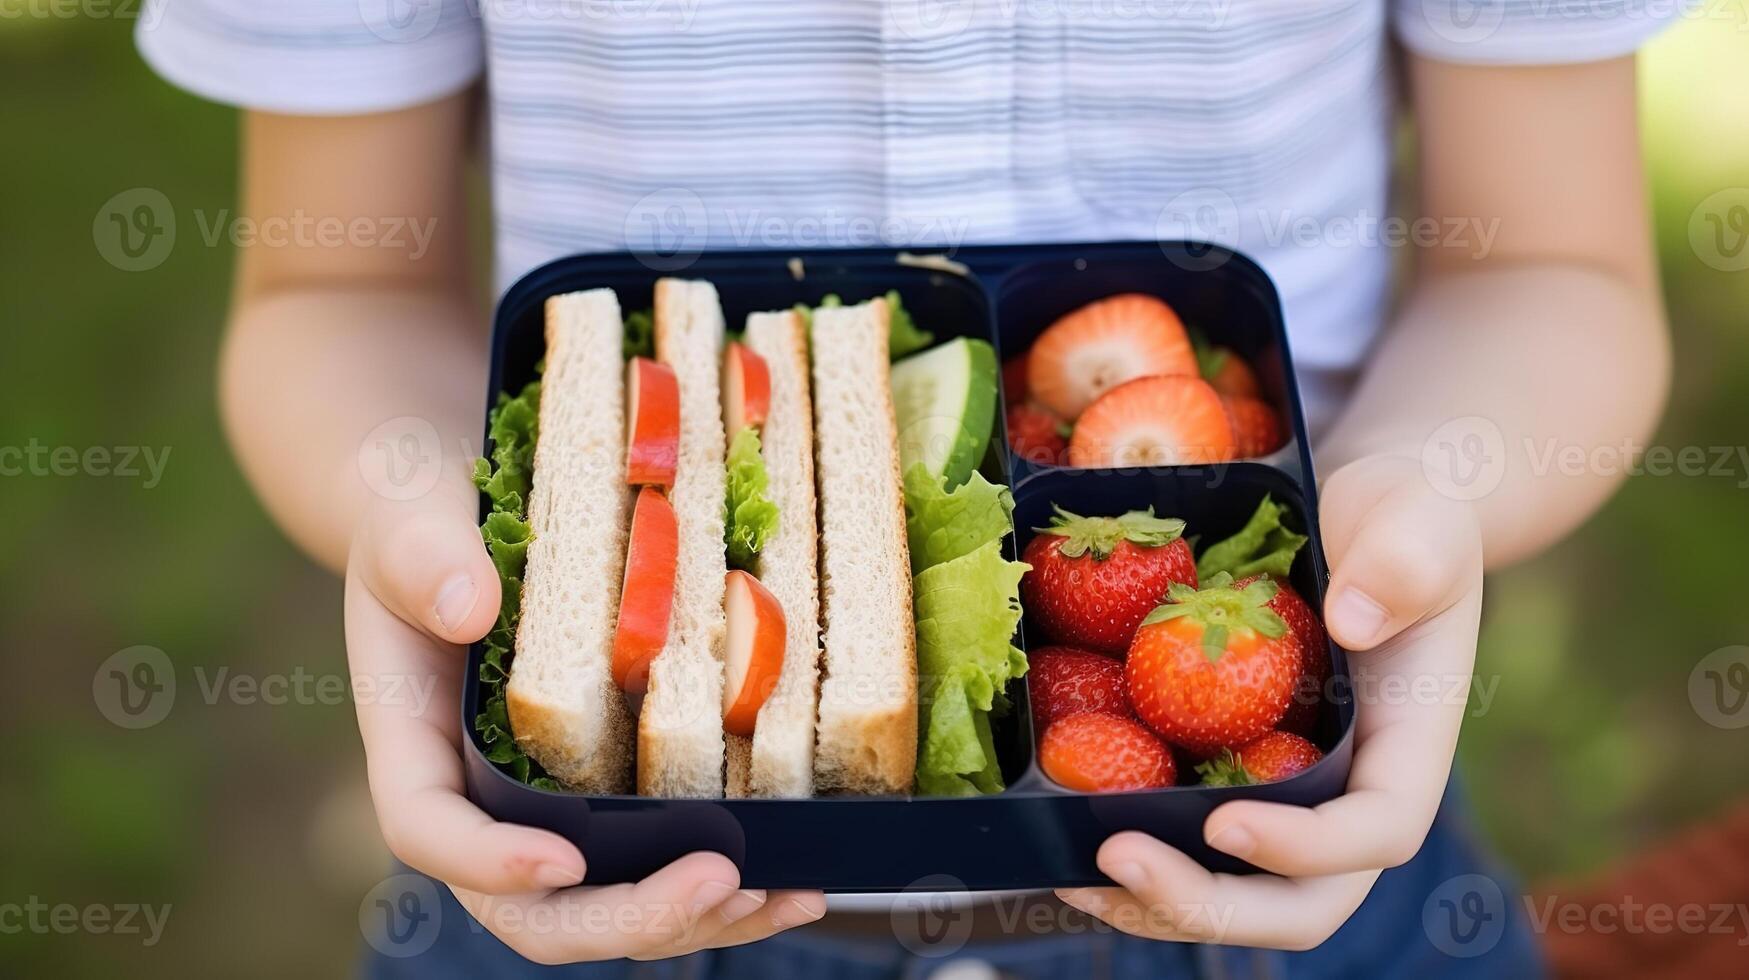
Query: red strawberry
x=1158, y=421
x=1036, y=435
x=1308, y=696
x=1094, y=578
x=1272, y=756
x=1213, y=667
x=1097, y=753
x=1063, y=681
x=1227, y=373
x=1100, y=346
x=1014, y=379
x=1256, y=427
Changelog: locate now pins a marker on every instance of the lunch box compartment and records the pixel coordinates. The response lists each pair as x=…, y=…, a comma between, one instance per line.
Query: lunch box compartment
x=1035, y=834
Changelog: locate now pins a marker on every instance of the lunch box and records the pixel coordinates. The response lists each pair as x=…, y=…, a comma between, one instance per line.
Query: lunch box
x=1035, y=834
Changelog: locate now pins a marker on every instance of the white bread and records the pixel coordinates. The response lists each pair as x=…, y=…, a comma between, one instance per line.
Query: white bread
x=868, y=701
x=680, y=727
x=565, y=709
x=780, y=760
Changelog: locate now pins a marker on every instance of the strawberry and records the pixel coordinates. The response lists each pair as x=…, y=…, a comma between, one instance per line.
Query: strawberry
x=1097, y=753
x=1094, y=578
x=1063, y=681
x=1256, y=427
x=1213, y=667
x=1036, y=435
x=1102, y=345
x=1269, y=757
x=1227, y=372
x=1157, y=421
x=1308, y=696
x=1014, y=379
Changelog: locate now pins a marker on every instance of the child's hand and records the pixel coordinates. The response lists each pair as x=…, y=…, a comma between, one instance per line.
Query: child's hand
x=1406, y=588
x=418, y=585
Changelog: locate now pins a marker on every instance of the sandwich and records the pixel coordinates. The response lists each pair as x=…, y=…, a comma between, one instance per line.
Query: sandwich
x=759, y=566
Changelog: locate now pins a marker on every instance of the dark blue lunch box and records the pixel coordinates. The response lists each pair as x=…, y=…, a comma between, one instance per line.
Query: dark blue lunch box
x=1035, y=834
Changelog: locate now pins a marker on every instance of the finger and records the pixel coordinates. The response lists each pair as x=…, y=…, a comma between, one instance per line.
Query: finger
x=1166, y=895
x=424, y=559
x=1398, y=552
x=667, y=910
x=1412, y=697
x=780, y=911
x=409, y=726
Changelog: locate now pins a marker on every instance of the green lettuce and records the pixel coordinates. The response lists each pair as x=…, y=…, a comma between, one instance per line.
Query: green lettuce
x=943, y=525
x=505, y=478
x=967, y=610
x=752, y=517
x=966, y=598
x=640, y=334
x=1262, y=546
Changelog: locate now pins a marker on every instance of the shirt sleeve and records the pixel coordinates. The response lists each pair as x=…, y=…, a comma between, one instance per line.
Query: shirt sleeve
x=1531, y=32
x=314, y=57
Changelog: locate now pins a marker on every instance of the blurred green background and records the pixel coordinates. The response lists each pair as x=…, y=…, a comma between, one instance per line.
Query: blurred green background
x=251, y=821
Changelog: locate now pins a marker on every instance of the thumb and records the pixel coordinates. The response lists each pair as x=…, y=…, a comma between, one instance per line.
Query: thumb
x=425, y=561
x=1399, y=551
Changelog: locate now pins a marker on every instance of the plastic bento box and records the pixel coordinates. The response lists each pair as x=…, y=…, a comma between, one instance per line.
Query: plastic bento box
x=1035, y=834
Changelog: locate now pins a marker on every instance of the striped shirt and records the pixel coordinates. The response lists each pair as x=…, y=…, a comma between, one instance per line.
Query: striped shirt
x=670, y=126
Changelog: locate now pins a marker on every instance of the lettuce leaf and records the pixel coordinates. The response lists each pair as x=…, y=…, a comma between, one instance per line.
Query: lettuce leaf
x=505, y=479
x=752, y=517
x=943, y=525
x=967, y=609
x=1262, y=546
x=640, y=334
x=903, y=335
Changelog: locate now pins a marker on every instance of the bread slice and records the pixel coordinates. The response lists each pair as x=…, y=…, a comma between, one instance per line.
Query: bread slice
x=868, y=701
x=779, y=762
x=680, y=727
x=565, y=710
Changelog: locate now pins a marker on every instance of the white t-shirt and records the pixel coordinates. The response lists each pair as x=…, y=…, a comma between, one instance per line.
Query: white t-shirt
x=685, y=124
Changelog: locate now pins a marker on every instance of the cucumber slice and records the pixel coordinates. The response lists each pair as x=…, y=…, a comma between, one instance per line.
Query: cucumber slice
x=945, y=400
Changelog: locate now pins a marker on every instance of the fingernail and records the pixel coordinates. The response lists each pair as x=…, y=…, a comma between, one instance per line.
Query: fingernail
x=1234, y=839
x=793, y=913
x=455, y=601
x=1129, y=874
x=711, y=894
x=1357, y=616
x=556, y=876
x=743, y=904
